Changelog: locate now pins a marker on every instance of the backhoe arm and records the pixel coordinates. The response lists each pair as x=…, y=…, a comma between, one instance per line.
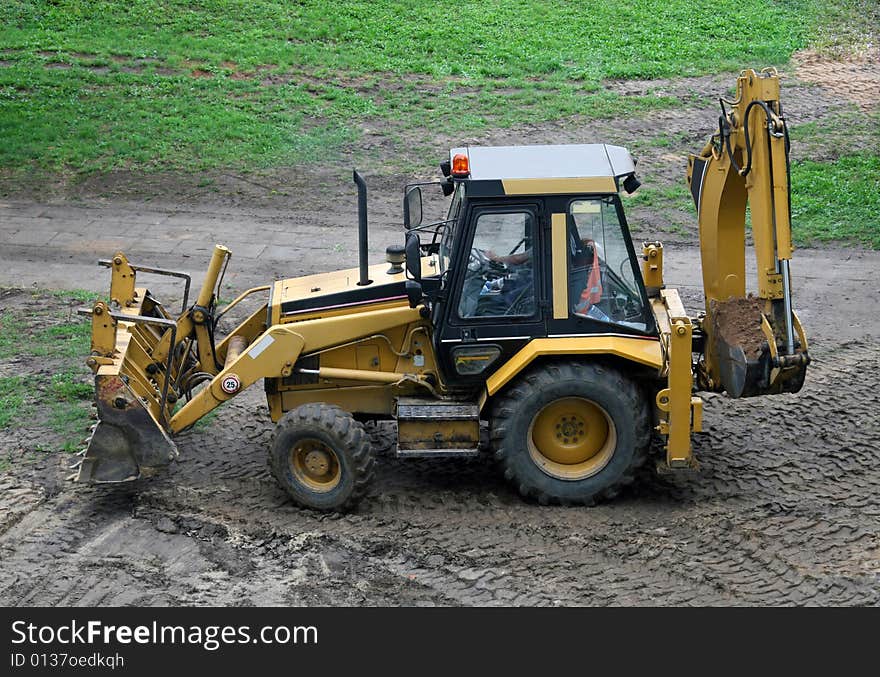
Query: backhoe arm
x=754, y=345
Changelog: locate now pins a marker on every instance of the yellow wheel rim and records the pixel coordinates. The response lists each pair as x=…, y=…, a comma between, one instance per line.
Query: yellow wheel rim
x=315, y=465
x=572, y=438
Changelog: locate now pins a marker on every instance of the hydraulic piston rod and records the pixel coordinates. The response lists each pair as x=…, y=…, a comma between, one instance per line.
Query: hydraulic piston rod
x=786, y=300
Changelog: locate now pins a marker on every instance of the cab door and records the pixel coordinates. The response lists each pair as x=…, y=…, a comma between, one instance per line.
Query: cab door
x=594, y=277
x=492, y=300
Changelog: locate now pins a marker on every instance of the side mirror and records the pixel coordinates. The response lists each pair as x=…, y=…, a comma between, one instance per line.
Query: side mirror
x=412, y=208
x=413, y=257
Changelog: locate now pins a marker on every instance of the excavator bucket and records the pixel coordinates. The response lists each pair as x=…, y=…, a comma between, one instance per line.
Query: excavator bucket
x=749, y=351
x=138, y=367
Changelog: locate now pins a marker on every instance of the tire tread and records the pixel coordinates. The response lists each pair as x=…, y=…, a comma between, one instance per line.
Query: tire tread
x=545, y=375
x=342, y=426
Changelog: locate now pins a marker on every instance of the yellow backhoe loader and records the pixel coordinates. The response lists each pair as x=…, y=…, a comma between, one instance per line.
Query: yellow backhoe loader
x=526, y=309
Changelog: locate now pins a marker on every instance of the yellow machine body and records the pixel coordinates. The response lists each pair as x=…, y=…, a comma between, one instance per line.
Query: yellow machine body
x=366, y=340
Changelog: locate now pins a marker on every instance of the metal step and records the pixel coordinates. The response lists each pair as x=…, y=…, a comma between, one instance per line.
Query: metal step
x=421, y=409
x=430, y=428
x=437, y=453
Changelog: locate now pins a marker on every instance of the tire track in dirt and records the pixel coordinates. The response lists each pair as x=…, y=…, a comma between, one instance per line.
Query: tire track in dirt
x=784, y=511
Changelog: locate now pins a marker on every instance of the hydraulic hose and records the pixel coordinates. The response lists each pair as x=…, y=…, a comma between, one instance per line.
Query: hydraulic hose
x=724, y=130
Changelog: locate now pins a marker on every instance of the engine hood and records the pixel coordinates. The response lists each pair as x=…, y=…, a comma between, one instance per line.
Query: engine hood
x=300, y=298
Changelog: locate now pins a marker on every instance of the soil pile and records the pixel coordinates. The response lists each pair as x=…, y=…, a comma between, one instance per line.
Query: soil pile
x=738, y=322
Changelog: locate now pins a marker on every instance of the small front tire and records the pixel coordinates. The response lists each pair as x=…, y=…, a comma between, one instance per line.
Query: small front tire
x=322, y=457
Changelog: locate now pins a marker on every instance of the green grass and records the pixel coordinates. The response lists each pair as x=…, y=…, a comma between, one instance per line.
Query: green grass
x=837, y=200
x=68, y=339
x=61, y=399
x=847, y=26
x=835, y=180
x=206, y=421
x=675, y=196
x=75, y=295
x=10, y=330
x=88, y=86
x=66, y=387
x=13, y=401
x=60, y=391
x=91, y=87
x=845, y=132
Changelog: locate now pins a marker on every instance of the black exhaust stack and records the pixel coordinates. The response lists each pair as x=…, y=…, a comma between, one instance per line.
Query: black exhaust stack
x=362, y=229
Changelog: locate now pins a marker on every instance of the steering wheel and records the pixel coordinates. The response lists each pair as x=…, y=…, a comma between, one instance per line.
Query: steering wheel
x=480, y=264
x=478, y=260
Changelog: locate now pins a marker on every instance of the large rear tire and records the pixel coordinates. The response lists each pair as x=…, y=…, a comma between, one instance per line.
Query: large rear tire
x=322, y=457
x=571, y=432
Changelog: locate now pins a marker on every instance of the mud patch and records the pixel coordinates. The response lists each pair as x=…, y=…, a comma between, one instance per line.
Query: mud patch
x=278, y=79
x=783, y=512
x=681, y=88
x=855, y=77
x=738, y=322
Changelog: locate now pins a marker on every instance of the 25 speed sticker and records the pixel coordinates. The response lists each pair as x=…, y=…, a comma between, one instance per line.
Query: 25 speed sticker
x=230, y=384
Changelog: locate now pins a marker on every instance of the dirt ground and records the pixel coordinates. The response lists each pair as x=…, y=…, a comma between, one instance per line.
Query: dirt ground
x=784, y=510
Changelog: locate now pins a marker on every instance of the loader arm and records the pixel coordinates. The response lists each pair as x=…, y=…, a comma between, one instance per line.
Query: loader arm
x=274, y=354
x=754, y=345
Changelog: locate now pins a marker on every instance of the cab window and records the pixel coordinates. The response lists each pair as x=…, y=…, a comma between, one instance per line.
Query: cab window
x=500, y=277
x=451, y=226
x=602, y=279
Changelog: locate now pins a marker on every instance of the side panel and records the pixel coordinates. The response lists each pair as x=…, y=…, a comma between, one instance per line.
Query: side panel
x=645, y=351
x=405, y=350
x=370, y=400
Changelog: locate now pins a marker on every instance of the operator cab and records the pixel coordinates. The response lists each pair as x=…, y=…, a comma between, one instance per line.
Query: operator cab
x=535, y=245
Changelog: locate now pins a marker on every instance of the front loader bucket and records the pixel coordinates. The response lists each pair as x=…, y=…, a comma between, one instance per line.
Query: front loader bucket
x=126, y=439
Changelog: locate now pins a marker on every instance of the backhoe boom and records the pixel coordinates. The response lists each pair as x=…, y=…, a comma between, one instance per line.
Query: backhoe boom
x=746, y=163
